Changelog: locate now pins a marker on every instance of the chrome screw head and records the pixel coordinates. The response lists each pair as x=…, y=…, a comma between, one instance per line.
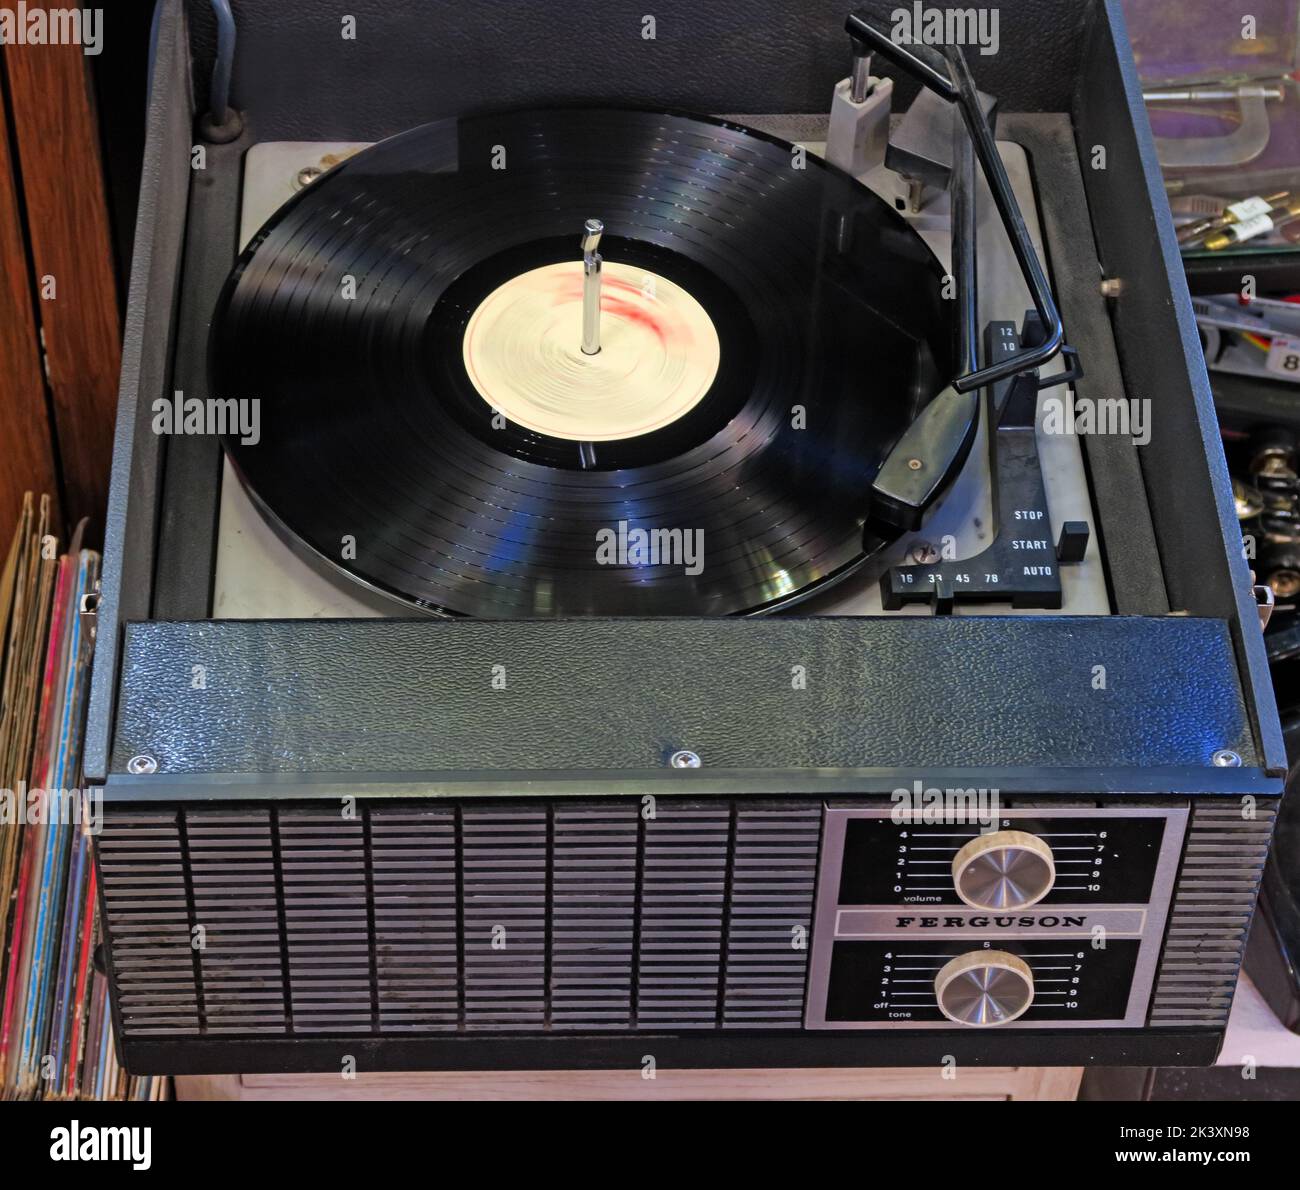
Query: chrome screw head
x=139, y=765
x=684, y=760
x=1226, y=758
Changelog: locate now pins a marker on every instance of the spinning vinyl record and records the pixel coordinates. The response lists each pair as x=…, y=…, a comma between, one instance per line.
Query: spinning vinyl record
x=412, y=324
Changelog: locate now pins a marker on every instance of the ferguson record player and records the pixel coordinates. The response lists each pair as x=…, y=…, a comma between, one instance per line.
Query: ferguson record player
x=751, y=590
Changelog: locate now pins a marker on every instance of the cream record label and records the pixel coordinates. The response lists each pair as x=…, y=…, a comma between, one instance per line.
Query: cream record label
x=658, y=353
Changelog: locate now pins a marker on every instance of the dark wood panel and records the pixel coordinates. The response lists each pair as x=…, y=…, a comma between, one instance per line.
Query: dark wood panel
x=26, y=454
x=68, y=231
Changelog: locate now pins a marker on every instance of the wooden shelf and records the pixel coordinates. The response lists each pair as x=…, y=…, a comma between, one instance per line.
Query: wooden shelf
x=995, y=1083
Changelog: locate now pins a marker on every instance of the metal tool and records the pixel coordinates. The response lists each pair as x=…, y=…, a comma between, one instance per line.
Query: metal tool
x=1232, y=213
x=1250, y=228
x=1243, y=144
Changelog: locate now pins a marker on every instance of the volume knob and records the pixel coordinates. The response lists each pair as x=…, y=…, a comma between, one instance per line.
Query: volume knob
x=984, y=987
x=1004, y=870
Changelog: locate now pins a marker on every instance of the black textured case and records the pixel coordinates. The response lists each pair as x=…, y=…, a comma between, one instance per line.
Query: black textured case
x=404, y=714
x=796, y=698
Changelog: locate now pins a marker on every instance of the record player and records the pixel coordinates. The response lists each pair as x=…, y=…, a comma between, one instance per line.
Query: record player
x=675, y=597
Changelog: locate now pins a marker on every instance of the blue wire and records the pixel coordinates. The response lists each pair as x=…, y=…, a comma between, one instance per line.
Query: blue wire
x=219, y=97
x=153, y=48
x=221, y=69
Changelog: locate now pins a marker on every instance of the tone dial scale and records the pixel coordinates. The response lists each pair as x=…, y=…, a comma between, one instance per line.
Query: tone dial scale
x=895, y=981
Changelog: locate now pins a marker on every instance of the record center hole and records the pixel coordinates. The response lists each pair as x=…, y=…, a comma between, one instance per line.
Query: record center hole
x=658, y=357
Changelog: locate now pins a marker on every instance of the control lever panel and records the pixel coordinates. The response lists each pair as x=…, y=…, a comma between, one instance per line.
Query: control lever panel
x=1022, y=565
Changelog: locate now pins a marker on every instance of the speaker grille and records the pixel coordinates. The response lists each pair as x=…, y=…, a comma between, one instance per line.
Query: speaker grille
x=146, y=907
x=1214, y=898
x=428, y=917
x=593, y=915
x=414, y=863
x=775, y=857
x=504, y=861
x=235, y=924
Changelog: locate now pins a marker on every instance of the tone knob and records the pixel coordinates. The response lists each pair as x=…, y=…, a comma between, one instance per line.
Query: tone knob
x=1004, y=870
x=984, y=987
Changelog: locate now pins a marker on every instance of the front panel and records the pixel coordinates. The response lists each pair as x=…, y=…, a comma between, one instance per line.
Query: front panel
x=757, y=928
x=891, y=918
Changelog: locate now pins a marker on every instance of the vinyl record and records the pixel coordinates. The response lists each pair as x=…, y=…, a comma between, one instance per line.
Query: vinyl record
x=411, y=324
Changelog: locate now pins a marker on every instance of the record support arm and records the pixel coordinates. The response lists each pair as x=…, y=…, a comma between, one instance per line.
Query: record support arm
x=933, y=449
x=936, y=445
x=962, y=92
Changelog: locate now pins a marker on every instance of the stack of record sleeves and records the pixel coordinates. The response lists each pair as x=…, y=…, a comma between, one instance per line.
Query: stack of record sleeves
x=56, y=1033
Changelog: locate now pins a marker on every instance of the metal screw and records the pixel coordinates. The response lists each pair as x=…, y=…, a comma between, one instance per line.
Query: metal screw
x=684, y=760
x=1112, y=287
x=139, y=765
x=306, y=176
x=915, y=464
x=1226, y=758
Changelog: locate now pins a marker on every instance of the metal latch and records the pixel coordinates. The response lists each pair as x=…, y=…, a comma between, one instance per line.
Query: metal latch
x=88, y=612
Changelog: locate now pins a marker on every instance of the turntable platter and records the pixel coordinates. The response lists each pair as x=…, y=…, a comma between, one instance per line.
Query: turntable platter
x=411, y=325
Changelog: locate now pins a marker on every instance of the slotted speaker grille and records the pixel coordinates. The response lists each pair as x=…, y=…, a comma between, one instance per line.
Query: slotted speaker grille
x=593, y=916
x=430, y=917
x=141, y=856
x=413, y=865
x=1214, y=898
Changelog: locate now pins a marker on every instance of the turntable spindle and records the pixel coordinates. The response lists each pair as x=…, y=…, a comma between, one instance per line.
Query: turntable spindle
x=860, y=79
x=591, y=233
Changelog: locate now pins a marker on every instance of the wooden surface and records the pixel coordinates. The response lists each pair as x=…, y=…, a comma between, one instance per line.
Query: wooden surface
x=62, y=183
x=971, y=1082
x=26, y=452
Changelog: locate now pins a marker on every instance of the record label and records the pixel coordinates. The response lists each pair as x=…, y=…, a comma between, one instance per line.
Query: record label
x=658, y=353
